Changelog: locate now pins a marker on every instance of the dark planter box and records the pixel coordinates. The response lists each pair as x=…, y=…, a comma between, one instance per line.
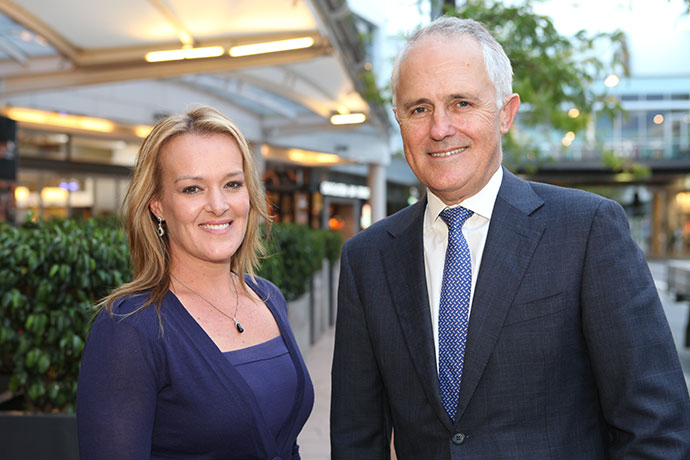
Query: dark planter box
x=25, y=436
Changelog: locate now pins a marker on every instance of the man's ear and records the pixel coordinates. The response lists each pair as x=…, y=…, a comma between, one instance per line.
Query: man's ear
x=507, y=115
x=395, y=113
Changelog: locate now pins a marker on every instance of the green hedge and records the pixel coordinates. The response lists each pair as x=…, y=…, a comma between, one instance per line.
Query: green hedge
x=294, y=253
x=53, y=272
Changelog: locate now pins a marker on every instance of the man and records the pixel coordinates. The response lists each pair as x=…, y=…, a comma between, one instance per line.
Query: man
x=531, y=331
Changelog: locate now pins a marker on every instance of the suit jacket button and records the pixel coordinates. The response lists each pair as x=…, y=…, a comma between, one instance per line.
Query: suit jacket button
x=458, y=438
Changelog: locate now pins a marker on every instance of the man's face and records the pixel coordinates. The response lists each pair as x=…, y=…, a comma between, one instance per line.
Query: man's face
x=449, y=122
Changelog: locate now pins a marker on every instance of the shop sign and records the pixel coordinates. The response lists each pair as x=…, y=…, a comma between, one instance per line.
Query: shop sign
x=344, y=190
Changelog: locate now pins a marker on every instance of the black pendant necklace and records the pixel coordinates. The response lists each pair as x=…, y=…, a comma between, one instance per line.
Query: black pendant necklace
x=238, y=326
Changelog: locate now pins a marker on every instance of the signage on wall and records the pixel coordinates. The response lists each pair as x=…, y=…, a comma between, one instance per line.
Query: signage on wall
x=341, y=190
x=8, y=153
x=8, y=168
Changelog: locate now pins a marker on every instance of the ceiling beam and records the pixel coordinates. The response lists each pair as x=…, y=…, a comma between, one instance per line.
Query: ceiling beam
x=91, y=75
x=23, y=17
x=34, y=65
x=322, y=106
x=185, y=35
x=13, y=52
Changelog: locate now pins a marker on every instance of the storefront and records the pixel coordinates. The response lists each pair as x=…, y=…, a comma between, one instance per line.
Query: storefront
x=70, y=175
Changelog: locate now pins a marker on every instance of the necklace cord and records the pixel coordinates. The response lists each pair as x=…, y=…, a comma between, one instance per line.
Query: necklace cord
x=238, y=326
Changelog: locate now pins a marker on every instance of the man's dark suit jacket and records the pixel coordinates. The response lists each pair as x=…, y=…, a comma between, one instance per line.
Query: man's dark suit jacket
x=569, y=354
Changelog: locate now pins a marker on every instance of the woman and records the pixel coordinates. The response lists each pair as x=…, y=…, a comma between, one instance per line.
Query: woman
x=194, y=358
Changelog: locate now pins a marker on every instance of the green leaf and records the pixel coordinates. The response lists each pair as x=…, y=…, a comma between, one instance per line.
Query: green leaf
x=30, y=322
x=36, y=390
x=43, y=363
x=77, y=344
x=16, y=299
x=6, y=299
x=53, y=390
x=32, y=357
x=64, y=272
x=53, y=270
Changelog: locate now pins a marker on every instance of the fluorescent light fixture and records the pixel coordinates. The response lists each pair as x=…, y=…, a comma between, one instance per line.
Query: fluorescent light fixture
x=142, y=130
x=348, y=118
x=54, y=194
x=271, y=47
x=21, y=193
x=184, y=53
x=300, y=156
x=683, y=199
x=41, y=117
x=307, y=157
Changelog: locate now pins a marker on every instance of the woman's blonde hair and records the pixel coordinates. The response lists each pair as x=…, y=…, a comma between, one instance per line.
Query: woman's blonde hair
x=150, y=253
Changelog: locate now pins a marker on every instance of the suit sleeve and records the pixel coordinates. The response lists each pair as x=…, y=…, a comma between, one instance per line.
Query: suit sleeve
x=641, y=386
x=360, y=427
x=116, y=396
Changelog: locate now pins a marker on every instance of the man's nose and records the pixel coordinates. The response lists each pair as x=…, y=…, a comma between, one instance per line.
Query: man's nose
x=441, y=125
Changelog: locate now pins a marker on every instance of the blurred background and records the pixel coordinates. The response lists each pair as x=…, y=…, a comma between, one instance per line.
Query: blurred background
x=605, y=87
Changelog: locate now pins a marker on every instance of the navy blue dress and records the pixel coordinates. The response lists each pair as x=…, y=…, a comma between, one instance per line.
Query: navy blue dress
x=145, y=394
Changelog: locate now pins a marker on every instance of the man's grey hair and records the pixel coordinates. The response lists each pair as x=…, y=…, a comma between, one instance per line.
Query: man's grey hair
x=496, y=62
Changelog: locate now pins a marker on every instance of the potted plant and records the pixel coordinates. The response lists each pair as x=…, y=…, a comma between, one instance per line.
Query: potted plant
x=51, y=276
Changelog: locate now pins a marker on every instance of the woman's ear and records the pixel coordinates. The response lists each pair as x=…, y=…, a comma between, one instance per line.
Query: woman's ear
x=155, y=208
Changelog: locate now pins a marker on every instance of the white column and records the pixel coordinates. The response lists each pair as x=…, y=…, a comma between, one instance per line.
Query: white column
x=259, y=160
x=377, y=188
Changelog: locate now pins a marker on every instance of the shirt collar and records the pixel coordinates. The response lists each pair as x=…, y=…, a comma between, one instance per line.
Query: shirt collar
x=481, y=203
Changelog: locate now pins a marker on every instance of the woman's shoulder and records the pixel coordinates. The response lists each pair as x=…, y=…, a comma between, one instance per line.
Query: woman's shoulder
x=130, y=328
x=267, y=291
x=133, y=311
x=262, y=286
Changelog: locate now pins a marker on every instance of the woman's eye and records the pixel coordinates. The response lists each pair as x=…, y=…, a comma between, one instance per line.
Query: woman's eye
x=234, y=184
x=190, y=190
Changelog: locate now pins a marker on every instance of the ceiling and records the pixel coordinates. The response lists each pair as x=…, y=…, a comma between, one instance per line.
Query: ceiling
x=87, y=58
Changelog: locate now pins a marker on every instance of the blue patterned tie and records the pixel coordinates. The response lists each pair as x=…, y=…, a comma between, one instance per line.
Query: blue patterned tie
x=454, y=308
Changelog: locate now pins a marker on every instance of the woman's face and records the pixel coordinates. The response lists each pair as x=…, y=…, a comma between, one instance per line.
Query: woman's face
x=203, y=199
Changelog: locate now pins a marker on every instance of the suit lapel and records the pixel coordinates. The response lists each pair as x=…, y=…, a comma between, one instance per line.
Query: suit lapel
x=510, y=243
x=403, y=260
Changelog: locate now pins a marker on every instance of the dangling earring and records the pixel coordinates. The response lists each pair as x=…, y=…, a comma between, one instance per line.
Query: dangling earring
x=161, y=232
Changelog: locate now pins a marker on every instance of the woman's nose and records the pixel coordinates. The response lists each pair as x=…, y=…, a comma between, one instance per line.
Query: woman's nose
x=217, y=202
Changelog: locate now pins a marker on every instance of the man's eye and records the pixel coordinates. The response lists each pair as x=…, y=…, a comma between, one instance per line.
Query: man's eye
x=190, y=190
x=463, y=104
x=418, y=110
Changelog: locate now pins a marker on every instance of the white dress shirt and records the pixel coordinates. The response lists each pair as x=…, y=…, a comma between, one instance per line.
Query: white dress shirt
x=436, y=240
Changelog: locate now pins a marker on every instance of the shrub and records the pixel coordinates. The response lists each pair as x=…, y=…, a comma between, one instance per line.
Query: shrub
x=52, y=274
x=294, y=254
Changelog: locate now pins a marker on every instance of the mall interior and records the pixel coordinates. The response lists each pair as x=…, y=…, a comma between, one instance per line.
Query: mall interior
x=81, y=84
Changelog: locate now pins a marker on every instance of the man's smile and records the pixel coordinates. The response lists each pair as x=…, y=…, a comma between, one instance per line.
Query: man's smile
x=448, y=153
